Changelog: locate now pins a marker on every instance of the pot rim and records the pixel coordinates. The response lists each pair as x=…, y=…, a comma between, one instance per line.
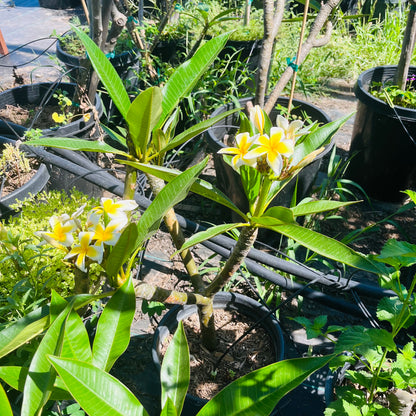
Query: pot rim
x=66, y=130
x=379, y=74
x=224, y=300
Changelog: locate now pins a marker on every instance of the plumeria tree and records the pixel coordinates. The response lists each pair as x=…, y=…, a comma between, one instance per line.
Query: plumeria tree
x=267, y=155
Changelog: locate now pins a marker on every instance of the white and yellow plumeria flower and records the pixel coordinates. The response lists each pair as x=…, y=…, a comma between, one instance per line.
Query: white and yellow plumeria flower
x=109, y=234
x=257, y=118
x=115, y=208
x=85, y=249
x=273, y=147
x=244, y=142
x=62, y=228
x=292, y=130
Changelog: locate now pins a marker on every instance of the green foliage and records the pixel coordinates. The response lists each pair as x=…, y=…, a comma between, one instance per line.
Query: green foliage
x=366, y=43
x=29, y=271
x=393, y=95
x=13, y=160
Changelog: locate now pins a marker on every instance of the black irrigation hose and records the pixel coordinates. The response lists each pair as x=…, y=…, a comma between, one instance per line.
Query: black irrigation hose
x=79, y=165
x=294, y=269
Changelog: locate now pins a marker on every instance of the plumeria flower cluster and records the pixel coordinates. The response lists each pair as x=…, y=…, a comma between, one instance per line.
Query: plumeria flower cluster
x=270, y=153
x=102, y=229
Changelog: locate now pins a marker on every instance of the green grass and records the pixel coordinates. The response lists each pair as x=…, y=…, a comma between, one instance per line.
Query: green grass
x=355, y=46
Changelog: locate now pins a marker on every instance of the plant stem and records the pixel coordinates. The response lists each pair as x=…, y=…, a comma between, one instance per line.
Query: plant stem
x=130, y=182
x=176, y=234
x=245, y=241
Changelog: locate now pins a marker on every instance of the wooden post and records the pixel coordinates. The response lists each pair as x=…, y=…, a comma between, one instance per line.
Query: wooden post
x=3, y=46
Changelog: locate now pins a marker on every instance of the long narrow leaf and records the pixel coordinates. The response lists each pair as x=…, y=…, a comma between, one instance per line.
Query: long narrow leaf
x=258, y=392
x=14, y=376
x=207, y=234
x=113, y=329
x=317, y=139
x=5, y=408
x=76, y=144
x=142, y=117
x=314, y=207
x=106, y=72
x=199, y=187
x=175, y=370
x=41, y=376
x=321, y=244
x=23, y=330
x=35, y=323
x=97, y=392
x=181, y=82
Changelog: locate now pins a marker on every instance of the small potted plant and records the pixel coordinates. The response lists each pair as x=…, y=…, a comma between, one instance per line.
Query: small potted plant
x=383, y=146
x=20, y=176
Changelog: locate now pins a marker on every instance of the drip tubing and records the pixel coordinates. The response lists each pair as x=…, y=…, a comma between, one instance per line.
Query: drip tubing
x=79, y=165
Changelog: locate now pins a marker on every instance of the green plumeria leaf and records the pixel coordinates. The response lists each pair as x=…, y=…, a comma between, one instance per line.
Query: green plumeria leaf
x=76, y=343
x=5, y=408
x=76, y=144
x=207, y=234
x=258, y=392
x=118, y=257
x=169, y=408
x=113, y=329
x=23, y=330
x=182, y=81
x=41, y=376
x=142, y=117
x=317, y=139
x=325, y=246
x=106, y=72
x=199, y=187
x=315, y=207
x=14, y=376
x=36, y=322
x=281, y=214
x=97, y=392
x=175, y=370
x=251, y=180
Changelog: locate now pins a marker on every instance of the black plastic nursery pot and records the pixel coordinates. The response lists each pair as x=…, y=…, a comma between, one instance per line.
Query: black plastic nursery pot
x=383, y=153
x=242, y=304
x=40, y=95
x=35, y=185
x=229, y=181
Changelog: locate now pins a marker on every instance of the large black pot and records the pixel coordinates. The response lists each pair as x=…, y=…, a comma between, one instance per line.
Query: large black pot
x=246, y=306
x=42, y=93
x=383, y=154
x=228, y=180
x=126, y=64
x=35, y=185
